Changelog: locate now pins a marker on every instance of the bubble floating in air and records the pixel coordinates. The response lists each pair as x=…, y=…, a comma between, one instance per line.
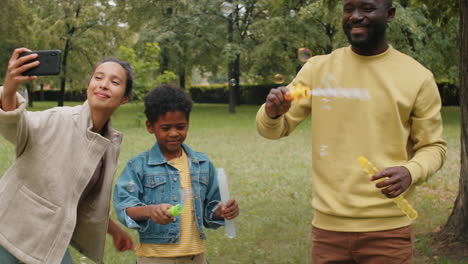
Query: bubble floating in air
x=304, y=54
x=279, y=78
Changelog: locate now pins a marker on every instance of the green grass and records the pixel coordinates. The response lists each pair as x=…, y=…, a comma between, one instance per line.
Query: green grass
x=271, y=182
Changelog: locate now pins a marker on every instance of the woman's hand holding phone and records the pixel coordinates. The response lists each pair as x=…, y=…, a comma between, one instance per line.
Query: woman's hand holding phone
x=14, y=77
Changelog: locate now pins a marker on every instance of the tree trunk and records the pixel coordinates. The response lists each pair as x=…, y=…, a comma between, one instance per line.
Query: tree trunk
x=231, y=66
x=181, y=74
x=182, y=67
x=236, y=75
x=404, y=3
x=164, y=60
x=456, y=228
x=330, y=31
x=41, y=95
x=63, y=78
x=29, y=90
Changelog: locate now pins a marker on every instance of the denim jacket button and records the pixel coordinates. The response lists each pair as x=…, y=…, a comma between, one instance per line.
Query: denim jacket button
x=175, y=179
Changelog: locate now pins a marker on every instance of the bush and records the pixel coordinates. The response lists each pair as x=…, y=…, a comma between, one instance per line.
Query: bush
x=53, y=95
x=250, y=94
x=449, y=93
x=210, y=94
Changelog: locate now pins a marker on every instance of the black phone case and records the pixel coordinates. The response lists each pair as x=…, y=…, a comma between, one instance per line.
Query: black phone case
x=50, y=61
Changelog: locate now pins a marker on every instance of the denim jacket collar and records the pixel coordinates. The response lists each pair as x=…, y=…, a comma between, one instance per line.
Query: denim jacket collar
x=156, y=157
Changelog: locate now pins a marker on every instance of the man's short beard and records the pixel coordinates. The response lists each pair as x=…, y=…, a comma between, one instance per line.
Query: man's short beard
x=375, y=35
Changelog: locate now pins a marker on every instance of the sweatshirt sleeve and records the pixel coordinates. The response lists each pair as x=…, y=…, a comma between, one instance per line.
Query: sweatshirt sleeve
x=284, y=125
x=13, y=123
x=428, y=147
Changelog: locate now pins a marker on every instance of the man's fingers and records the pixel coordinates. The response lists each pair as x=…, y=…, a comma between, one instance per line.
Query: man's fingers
x=393, y=193
x=275, y=97
x=388, y=172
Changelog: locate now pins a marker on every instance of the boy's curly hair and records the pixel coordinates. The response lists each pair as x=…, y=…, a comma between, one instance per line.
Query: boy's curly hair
x=166, y=98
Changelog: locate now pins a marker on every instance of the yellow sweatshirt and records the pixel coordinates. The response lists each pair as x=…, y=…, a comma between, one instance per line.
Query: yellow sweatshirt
x=384, y=107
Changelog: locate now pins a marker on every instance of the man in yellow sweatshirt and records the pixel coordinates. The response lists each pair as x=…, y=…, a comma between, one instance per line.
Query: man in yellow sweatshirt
x=369, y=100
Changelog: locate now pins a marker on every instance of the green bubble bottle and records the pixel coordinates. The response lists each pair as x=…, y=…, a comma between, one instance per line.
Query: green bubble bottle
x=185, y=194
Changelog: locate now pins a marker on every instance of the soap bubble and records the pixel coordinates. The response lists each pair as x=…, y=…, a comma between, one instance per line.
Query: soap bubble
x=279, y=78
x=303, y=54
x=233, y=82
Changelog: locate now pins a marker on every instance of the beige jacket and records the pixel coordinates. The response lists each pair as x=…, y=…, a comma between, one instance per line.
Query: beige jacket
x=56, y=156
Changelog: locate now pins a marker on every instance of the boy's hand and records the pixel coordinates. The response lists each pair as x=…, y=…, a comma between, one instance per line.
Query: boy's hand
x=159, y=214
x=276, y=103
x=230, y=211
x=399, y=179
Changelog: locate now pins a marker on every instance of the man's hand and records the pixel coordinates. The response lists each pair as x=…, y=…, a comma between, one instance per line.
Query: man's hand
x=399, y=179
x=276, y=103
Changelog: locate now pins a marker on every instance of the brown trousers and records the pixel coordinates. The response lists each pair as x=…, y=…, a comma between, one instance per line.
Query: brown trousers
x=390, y=247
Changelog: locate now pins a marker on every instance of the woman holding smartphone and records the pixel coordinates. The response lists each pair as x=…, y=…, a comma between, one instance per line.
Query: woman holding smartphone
x=57, y=191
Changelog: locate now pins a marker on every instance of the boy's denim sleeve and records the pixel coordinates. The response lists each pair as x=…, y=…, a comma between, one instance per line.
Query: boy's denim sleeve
x=212, y=199
x=127, y=193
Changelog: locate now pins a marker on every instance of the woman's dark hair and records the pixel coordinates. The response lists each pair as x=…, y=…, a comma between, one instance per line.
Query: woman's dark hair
x=166, y=98
x=128, y=72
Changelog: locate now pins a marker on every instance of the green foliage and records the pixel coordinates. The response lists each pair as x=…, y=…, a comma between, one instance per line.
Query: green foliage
x=194, y=35
x=440, y=12
x=433, y=45
x=146, y=68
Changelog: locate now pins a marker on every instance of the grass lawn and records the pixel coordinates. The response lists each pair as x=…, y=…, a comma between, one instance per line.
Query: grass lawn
x=271, y=182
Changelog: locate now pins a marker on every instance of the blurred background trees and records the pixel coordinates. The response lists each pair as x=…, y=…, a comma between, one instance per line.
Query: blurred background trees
x=230, y=42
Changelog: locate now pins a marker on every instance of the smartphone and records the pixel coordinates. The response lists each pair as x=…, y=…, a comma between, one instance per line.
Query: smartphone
x=49, y=62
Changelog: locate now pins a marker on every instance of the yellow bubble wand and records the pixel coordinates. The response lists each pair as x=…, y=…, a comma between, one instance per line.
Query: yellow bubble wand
x=298, y=91
x=400, y=201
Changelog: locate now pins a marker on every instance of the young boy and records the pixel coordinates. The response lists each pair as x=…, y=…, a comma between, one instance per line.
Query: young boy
x=161, y=177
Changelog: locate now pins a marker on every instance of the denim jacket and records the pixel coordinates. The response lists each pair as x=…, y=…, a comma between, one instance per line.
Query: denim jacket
x=148, y=179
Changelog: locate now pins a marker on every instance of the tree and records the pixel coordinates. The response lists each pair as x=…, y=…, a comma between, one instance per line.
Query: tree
x=278, y=32
x=186, y=37
x=146, y=66
x=13, y=30
x=84, y=30
x=456, y=228
x=239, y=16
x=422, y=31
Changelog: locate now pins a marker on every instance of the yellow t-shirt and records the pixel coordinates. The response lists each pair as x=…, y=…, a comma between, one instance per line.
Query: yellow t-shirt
x=190, y=241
